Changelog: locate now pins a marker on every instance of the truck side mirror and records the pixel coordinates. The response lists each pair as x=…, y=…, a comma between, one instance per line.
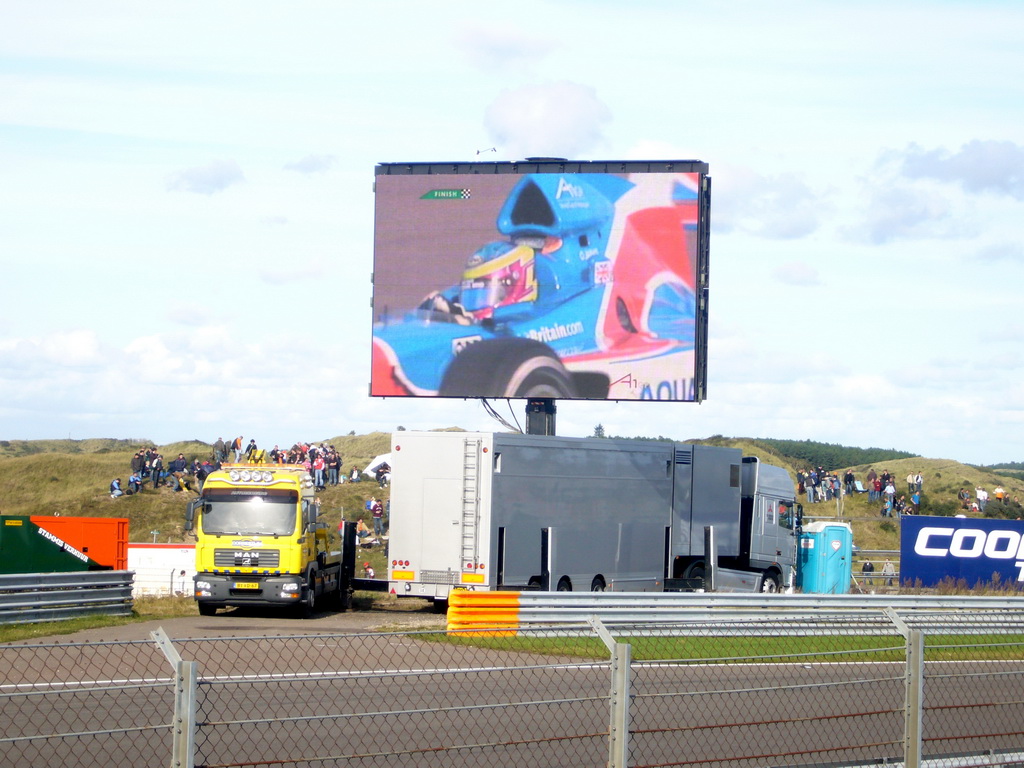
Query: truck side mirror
x=309, y=515
x=190, y=514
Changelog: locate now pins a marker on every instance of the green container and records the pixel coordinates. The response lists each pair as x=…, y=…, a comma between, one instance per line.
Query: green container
x=27, y=548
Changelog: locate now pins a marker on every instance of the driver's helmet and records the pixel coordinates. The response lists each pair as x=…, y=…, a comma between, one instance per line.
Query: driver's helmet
x=497, y=275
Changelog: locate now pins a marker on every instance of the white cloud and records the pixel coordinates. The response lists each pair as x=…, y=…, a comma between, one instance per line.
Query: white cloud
x=781, y=207
x=66, y=349
x=298, y=270
x=797, y=273
x=504, y=48
x=897, y=211
x=216, y=176
x=190, y=313
x=1009, y=252
x=561, y=119
x=990, y=166
x=312, y=164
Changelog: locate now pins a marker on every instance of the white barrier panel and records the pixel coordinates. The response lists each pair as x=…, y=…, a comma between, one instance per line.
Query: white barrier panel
x=162, y=569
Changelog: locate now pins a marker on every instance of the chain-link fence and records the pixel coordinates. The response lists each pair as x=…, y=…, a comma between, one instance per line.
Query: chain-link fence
x=79, y=704
x=738, y=692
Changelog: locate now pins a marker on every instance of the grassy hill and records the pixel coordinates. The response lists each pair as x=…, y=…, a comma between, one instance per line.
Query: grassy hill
x=46, y=477
x=71, y=477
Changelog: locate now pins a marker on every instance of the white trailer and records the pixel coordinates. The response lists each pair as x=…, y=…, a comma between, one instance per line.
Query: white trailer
x=477, y=510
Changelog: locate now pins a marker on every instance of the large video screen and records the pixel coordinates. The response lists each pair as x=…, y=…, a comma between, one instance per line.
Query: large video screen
x=541, y=279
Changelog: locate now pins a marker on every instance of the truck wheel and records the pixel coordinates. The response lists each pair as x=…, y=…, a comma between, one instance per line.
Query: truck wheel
x=770, y=582
x=308, y=607
x=564, y=585
x=696, y=571
x=507, y=368
x=206, y=610
x=597, y=585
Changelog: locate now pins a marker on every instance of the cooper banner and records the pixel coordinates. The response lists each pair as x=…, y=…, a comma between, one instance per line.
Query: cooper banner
x=563, y=280
x=978, y=551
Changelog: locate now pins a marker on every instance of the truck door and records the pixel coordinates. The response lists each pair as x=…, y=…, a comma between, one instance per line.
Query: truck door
x=440, y=526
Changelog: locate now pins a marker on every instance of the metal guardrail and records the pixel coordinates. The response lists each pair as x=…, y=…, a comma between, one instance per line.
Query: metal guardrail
x=31, y=597
x=737, y=612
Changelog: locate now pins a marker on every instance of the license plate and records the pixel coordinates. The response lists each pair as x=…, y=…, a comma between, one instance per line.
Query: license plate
x=247, y=585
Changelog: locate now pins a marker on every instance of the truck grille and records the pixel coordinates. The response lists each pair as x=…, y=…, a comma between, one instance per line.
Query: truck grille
x=439, y=577
x=246, y=558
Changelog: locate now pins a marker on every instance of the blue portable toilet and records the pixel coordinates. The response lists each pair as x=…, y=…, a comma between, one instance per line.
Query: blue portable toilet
x=824, y=562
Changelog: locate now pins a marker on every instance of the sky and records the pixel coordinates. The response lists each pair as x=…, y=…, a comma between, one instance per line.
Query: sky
x=186, y=206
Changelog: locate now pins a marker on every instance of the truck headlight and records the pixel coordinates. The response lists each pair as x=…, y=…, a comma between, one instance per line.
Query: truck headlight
x=291, y=586
x=203, y=585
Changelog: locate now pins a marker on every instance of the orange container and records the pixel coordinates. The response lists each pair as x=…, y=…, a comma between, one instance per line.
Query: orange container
x=103, y=539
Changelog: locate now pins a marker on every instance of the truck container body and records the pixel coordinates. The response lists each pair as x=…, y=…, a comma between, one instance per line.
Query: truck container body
x=259, y=542
x=103, y=539
x=35, y=545
x=490, y=511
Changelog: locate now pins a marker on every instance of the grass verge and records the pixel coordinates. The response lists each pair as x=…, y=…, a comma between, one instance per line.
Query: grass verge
x=145, y=609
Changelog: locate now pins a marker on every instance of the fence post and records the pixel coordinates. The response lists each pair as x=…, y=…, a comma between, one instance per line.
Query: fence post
x=914, y=690
x=621, y=666
x=183, y=723
x=915, y=699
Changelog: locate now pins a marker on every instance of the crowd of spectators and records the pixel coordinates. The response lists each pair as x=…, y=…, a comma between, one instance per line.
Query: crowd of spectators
x=820, y=485
x=817, y=484
x=322, y=461
x=886, y=489
x=148, y=466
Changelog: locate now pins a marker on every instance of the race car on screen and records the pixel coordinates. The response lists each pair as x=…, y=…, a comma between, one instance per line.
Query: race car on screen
x=590, y=294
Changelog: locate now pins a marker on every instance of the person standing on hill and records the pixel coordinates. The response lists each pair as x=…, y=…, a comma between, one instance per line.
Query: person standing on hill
x=377, y=510
x=888, y=572
x=138, y=462
x=918, y=482
x=156, y=467
x=318, y=472
x=910, y=483
x=236, y=446
x=890, y=492
x=868, y=570
x=333, y=466
x=982, y=495
x=219, y=450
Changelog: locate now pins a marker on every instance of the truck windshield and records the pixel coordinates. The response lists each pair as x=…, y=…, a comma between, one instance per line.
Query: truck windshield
x=250, y=516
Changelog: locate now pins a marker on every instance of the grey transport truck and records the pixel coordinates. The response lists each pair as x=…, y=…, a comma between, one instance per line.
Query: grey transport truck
x=483, y=511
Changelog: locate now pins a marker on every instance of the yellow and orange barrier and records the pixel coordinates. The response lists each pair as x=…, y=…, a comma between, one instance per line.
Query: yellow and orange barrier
x=489, y=614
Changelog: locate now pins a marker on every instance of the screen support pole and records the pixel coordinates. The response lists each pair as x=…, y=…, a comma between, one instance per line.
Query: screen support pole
x=540, y=416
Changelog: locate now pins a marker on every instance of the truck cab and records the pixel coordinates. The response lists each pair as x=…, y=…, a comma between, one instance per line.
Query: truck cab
x=259, y=541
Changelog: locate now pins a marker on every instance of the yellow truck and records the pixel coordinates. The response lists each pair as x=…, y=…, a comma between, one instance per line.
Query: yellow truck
x=259, y=542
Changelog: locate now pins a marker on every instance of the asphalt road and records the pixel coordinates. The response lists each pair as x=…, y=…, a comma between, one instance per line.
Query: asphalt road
x=239, y=622
x=399, y=699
